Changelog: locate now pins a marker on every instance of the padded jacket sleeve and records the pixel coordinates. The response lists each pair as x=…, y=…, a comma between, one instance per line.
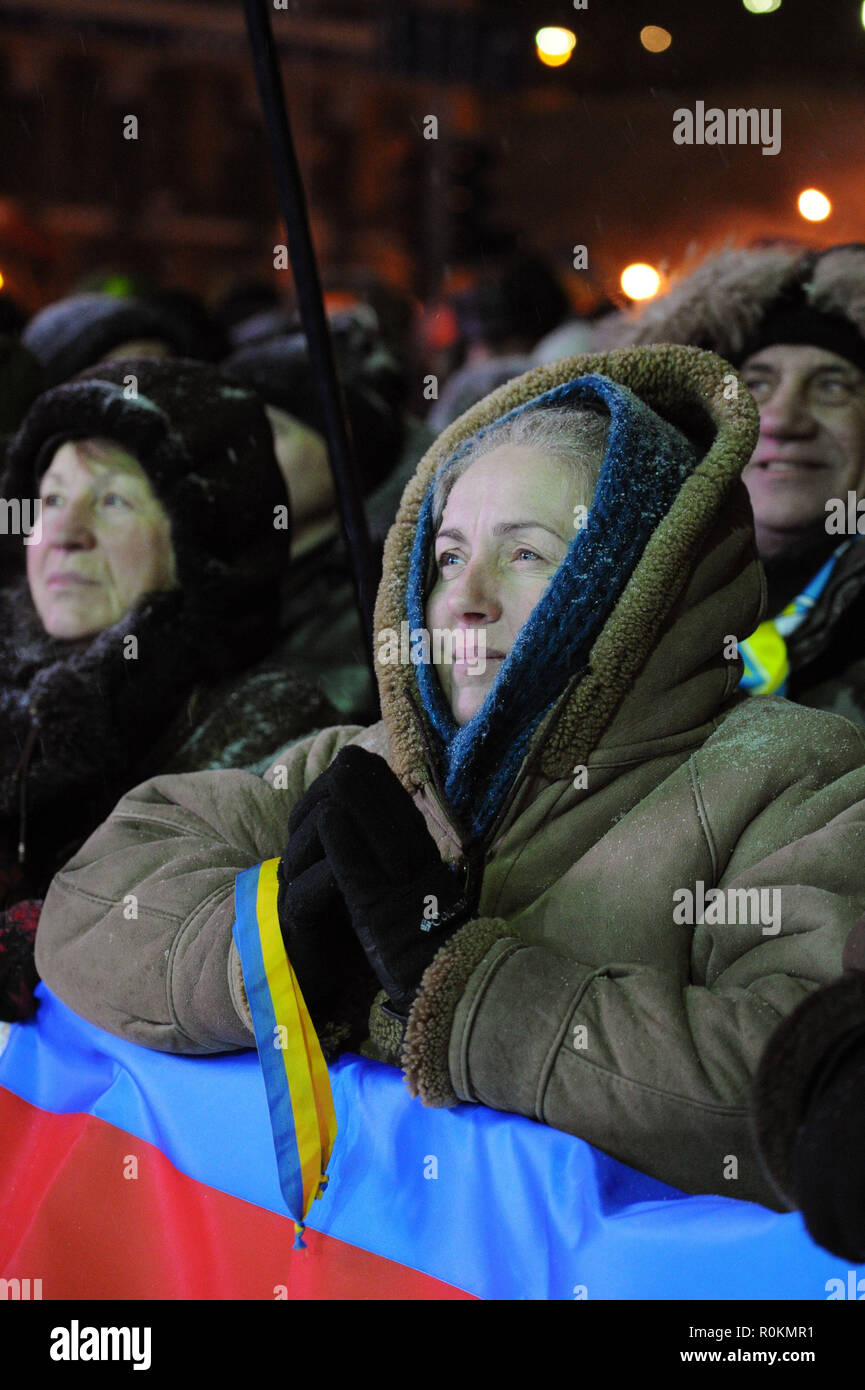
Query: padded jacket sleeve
x=136, y=931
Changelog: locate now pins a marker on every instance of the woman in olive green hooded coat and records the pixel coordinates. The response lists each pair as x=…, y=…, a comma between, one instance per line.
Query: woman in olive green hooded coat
x=585, y=973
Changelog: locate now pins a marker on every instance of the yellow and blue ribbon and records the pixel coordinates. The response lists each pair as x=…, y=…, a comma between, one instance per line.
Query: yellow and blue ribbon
x=764, y=653
x=298, y=1090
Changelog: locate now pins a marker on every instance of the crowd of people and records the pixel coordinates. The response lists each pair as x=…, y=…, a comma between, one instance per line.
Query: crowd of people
x=611, y=875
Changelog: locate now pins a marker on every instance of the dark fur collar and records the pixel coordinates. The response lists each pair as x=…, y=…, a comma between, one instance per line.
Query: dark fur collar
x=96, y=710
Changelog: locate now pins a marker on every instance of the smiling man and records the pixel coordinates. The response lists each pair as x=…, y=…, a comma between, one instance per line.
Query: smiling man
x=793, y=325
x=811, y=446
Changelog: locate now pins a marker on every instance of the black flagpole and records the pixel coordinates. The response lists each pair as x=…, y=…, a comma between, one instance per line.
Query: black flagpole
x=292, y=202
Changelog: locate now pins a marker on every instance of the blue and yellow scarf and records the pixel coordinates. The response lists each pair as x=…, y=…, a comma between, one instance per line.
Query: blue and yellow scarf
x=767, y=665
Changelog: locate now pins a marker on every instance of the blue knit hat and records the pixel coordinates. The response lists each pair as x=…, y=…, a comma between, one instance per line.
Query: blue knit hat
x=646, y=461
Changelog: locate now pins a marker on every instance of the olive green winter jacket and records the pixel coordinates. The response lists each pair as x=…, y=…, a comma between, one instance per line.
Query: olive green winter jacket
x=581, y=994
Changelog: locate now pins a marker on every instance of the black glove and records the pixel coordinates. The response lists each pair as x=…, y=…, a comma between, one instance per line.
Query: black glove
x=403, y=901
x=828, y=1161
x=316, y=928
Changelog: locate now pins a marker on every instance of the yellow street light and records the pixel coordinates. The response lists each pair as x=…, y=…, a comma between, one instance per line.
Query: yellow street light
x=814, y=205
x=640, y=281
x=554, y=46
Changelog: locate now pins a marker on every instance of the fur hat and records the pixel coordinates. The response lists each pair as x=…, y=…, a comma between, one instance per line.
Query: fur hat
x=205, y=444
x=739, y=301
x=75, y=332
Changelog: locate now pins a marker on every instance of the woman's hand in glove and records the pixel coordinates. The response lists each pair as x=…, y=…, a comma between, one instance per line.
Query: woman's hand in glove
x=828, y=1162
x=316, y=928
x=403, y=901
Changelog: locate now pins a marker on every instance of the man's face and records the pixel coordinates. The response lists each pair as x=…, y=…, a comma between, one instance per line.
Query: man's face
x=152, y=348
x=506, y=527
x=301, y=453
x=812, y=441
x=106, y=540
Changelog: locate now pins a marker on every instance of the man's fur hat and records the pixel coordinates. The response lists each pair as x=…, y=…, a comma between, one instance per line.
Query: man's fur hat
x=739, y=301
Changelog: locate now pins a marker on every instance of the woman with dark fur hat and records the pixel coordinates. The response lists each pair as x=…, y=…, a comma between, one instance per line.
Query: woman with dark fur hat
x=134, y=643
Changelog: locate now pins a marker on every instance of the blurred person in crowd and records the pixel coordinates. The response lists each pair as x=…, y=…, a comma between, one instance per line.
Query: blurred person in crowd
x=21, y=381
x=391, y=311
x=510, y=309
x=793, y=322
x=323, y=637
x=276, y=321
x=83, y=329
x=242, y=300
x=196, y=331
x=495, y=886
x=470, y=384
x=12, y=316
x=195, y=326
x=568, y=339
x=136, y=634
x=500, y=319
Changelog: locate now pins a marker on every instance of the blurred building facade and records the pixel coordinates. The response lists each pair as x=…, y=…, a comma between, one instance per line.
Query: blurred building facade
x=549, y=159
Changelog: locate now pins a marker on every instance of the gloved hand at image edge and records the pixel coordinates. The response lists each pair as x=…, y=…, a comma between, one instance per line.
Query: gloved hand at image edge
x=809, y=1107
x=828, y=1159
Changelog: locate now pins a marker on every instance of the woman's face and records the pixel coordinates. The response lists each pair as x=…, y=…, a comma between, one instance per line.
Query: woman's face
x=507, y=525
x=106, y=540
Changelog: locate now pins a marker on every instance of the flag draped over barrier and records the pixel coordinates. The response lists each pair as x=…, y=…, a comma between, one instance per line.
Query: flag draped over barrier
x=127, y=1173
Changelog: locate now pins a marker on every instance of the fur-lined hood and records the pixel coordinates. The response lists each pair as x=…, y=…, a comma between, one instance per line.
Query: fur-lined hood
x=721, y=304
x=657, y=669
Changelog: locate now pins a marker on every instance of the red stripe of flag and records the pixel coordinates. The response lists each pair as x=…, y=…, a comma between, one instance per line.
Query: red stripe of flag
x=69, y=1217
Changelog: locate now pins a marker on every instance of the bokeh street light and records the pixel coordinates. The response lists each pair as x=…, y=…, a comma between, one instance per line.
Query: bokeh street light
x=554, y=45
x=814, y=205
x=640, y=281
